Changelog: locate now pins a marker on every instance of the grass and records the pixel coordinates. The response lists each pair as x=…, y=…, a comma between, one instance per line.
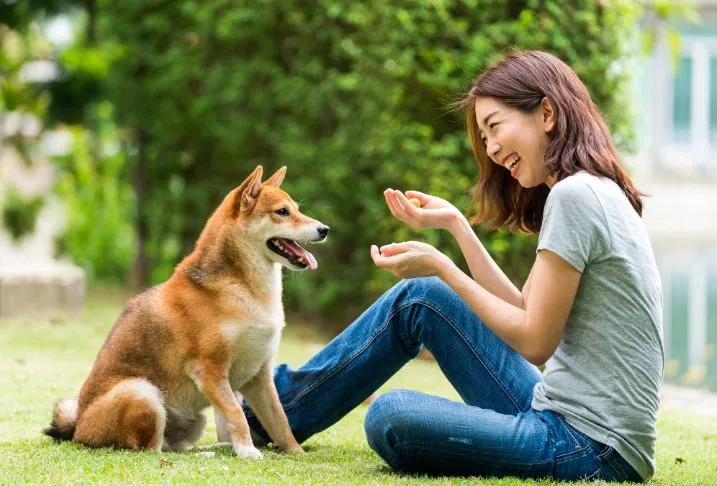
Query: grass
x=45, y=359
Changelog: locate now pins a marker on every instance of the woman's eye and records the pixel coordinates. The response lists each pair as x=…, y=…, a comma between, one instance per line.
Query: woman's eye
x=282, y=212
x=493, y=125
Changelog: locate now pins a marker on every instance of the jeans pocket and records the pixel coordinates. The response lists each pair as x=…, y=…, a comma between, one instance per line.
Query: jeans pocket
x=572, y=434
x=601, y=450
x=612, y=464
x=620, y=469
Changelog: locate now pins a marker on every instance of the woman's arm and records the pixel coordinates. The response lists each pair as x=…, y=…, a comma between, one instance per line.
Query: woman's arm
x=483, y=268
x=533, y=332
x=439, y=213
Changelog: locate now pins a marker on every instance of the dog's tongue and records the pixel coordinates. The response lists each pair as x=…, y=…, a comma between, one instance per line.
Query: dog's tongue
x=299, y=252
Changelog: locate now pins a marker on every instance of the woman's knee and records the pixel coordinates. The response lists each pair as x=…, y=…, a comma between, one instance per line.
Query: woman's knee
x=389, y=422
x=391, y=414
x=384, y=414
x=425, y=289
x=417, y=295
x=427, y=301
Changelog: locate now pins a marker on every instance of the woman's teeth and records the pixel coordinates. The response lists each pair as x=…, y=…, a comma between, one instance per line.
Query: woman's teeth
x=516, y=159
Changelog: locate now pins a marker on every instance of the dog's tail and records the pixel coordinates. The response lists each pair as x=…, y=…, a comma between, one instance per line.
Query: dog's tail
x=64, y=418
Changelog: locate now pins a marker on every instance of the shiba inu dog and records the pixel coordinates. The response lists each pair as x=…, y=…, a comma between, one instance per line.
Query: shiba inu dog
x=210, y=331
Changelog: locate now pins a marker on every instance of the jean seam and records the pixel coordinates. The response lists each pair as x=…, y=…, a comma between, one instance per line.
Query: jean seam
x=596, y=475
x=617, y=467
x=472, y=347
x=569, y=455
x=551, y=437
x=602, y=455
x=381, y=329
x=576, y=442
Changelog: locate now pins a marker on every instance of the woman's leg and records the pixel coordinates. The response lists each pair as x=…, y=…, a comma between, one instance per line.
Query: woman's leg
x=424, y=311
x=418, y=433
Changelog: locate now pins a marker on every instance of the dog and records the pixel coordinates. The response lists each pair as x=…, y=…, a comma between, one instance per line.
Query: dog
x=207, y=336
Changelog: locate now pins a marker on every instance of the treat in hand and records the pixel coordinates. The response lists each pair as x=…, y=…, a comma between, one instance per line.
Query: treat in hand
x=415, y=201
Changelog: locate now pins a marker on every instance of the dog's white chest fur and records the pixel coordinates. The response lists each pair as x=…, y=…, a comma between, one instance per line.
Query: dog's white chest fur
x=253, y=342
x=254, y=338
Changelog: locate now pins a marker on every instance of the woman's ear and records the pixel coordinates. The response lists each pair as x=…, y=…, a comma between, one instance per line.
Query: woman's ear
x=549, y=115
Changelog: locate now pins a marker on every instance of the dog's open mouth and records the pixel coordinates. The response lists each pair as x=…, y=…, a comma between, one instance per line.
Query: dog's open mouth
x=293, y=252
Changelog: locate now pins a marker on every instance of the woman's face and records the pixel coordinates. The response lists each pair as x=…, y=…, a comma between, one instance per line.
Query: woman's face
x=517, y=140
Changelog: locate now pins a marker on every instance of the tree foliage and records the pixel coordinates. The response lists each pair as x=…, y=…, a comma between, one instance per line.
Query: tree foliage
x=91, y=180
x=352, y=96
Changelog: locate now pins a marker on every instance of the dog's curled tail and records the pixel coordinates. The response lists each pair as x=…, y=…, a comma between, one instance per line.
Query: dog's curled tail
x=64, y=418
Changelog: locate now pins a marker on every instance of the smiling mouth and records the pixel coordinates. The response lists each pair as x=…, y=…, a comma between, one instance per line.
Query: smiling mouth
x=511, y=165
x=293, y=252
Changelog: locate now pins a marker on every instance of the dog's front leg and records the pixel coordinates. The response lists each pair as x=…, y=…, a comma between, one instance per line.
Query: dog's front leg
x=261, y=394
x=212, y=380
x=221, y=424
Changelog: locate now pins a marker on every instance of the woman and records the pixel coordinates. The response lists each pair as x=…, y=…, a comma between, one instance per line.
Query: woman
x=590, y=309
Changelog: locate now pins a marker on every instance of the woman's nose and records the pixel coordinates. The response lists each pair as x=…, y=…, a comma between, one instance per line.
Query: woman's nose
x=493, y=150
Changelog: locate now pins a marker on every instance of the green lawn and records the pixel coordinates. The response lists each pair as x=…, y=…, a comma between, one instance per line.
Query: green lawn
x=45, y=359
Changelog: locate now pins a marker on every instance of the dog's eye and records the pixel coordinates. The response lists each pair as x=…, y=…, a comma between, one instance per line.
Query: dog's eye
x=282, y=212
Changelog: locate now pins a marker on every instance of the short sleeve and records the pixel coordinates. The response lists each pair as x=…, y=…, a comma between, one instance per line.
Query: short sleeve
x=574, y=224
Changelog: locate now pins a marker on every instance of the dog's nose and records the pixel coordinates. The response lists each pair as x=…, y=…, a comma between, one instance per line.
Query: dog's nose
x=323, y=231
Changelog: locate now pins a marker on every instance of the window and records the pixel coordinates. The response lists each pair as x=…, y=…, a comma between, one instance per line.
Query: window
x=713, y=101
x=682, y=102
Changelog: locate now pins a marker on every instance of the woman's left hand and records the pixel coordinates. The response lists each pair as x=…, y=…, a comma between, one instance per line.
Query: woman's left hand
x=410, y=259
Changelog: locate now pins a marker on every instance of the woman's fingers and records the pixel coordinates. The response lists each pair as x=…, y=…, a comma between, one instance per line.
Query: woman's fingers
x=379, y=259
x=394, y=205
x=409, y=208
x=424, y=198
x=389, y=202
x=395, y=249
x=392, y=262
x=402, y=209
x=375, y=254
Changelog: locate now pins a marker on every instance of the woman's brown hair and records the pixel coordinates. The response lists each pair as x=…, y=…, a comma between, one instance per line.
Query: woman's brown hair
x=579, y=141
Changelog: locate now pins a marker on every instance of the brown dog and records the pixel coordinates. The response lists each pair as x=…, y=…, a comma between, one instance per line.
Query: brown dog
x=211, y=330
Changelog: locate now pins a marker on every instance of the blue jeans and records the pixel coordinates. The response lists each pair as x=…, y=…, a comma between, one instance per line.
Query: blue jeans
x=494, y=433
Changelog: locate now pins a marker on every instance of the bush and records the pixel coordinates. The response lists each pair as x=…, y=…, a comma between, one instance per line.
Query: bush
x=351, y=96
x=99, y=233
x=19, y=214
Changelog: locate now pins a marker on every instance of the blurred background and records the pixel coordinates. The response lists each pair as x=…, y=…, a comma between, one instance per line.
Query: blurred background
x=123, y=124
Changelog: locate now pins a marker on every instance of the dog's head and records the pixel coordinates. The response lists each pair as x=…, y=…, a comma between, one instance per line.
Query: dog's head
x=270, y=219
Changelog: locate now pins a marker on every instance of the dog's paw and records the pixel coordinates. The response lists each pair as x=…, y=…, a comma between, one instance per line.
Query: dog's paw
x=247, y=452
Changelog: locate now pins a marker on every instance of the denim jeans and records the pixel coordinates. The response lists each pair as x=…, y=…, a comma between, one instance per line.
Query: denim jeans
x=494, y=433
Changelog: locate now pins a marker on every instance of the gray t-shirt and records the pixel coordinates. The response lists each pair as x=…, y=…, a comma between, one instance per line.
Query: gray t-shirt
x=606, y=374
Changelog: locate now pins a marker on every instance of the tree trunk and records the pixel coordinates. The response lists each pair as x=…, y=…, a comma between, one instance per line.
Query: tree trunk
x=139, y=277
x=91, y=28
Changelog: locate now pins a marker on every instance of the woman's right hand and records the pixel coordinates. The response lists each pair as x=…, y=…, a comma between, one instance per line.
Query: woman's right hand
x=434, y=212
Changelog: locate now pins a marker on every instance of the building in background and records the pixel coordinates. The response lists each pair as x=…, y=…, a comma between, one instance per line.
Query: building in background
x=676, y=164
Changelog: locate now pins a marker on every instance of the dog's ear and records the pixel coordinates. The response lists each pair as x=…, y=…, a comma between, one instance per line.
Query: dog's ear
x=277, y=178
x=248, y=197
x=244, y=196
x=254, y=186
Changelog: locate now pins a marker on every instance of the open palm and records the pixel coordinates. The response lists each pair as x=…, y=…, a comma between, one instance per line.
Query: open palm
x=434, y=212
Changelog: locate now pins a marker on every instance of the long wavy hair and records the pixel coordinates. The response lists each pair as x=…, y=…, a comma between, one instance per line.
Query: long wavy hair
x=579, y=141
